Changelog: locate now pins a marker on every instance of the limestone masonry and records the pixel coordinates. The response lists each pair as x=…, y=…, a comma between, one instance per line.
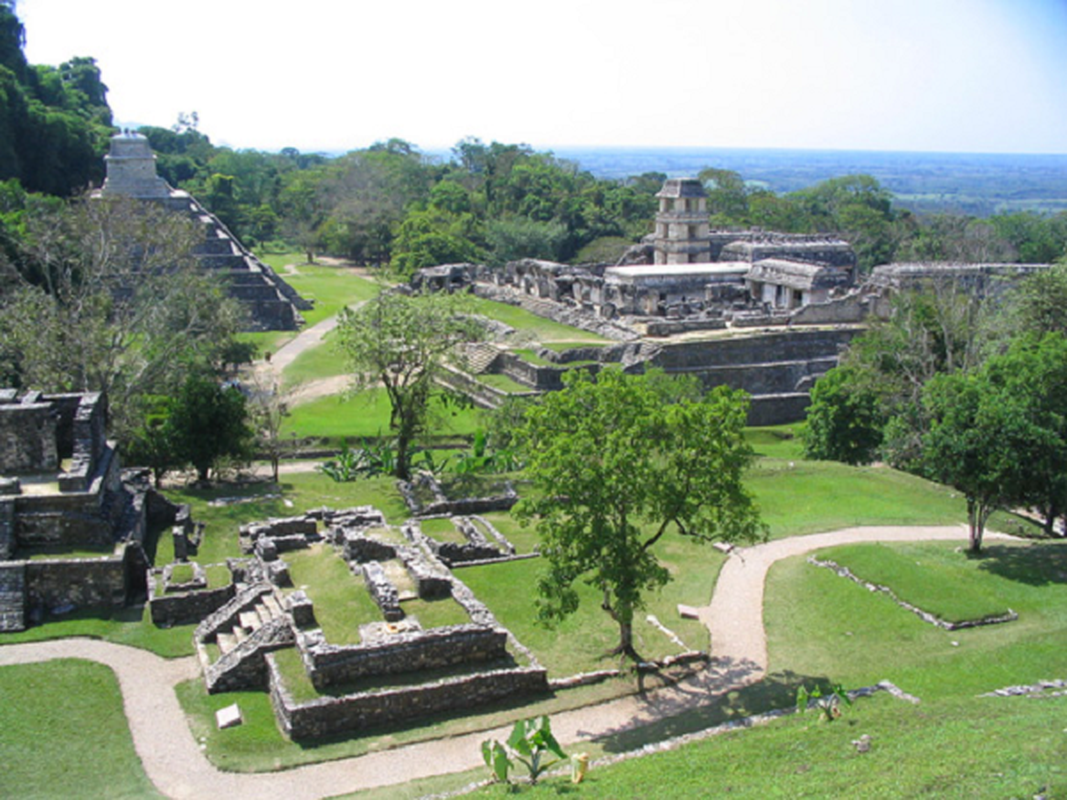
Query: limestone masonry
x=72, y=523
x=272, y=303
x=765, y=312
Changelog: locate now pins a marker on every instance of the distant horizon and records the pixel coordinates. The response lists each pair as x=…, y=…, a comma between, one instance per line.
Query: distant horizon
x=911, y=76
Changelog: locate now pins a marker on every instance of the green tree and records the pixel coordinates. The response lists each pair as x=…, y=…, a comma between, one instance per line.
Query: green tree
x=401, y=342
x=971, y=444
x=1039, y=303
x=206, y=423
x=1032, y=377
x=844, y=422
x=615, y=468
x=727, y=196
x=112, y=300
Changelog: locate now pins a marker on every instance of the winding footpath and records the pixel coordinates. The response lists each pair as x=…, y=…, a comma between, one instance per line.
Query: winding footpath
x=174, y=762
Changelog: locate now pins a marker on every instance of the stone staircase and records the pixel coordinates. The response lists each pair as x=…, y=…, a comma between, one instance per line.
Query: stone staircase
x=249, y=622
x=12, y=597
x=478, y=357
x=252, y=624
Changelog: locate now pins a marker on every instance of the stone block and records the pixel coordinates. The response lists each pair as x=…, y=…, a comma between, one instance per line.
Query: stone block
x=229, y=717
x=688, y=612
x=302, y=609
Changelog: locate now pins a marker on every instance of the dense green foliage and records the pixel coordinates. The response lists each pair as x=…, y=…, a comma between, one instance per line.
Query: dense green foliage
x=54, y=122
x=107, y=297
x=961, y=389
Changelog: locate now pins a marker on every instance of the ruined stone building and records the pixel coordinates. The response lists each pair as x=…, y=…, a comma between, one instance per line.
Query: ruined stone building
x=272, y=303
x=71, y=524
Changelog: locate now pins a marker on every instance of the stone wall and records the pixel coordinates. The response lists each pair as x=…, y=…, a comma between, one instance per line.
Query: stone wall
x=61, y=520
x=7, y=528
x=27, y=438
x=778, y=409
x=536, y=376
x=336, y=715
x=186, y=608
x=329, y=665
x=79, y=582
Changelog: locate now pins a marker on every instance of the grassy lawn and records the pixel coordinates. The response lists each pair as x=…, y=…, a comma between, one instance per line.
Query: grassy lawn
x=332, y=288
x=798, y=497
x=436, y=613
x=982, y=748
x=524, y=539
x=582, y=642
x=63, y=733
x=821, y=625
x=323, y=361
x=540, y=328
x=367, y=415
x=130, y=626
x=503, y=383
x=442, y=530
x=926, y=575
x=342, y=602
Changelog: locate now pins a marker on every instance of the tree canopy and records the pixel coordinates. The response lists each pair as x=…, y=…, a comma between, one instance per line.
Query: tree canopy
x=619, y=462
x=401, y=342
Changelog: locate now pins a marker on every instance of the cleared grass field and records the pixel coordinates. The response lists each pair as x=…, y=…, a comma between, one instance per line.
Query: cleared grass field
x=331, y=288
x=539, y=328
x=820, y=625
x=926, y=576
x=324, y=361
x=367, y=415
x=342, y=602
x=63, y=733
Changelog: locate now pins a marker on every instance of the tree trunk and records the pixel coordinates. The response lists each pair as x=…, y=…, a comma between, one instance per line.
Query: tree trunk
x=403, y=445
x=1051, y=512
x=624, y=615
x=974, y=533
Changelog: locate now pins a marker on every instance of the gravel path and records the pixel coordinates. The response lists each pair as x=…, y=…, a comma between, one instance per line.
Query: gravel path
x=175, y=764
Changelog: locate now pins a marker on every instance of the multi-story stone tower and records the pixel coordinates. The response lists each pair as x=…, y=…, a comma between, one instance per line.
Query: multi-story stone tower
x=682, y=235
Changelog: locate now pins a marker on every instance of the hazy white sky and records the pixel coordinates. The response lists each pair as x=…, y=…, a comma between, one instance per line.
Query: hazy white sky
x=943, y=75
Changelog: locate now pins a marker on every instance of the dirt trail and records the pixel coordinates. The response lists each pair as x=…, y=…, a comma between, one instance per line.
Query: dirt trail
x=173, y=761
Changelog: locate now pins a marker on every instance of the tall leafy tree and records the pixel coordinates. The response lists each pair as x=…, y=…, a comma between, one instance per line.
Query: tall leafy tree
x=207, y=422
x=618, y=463
x=402, y=342
x=112, y=300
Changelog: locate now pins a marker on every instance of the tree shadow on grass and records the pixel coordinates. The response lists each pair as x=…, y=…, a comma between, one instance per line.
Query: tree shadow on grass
x=699, y=703
x=1036, y=564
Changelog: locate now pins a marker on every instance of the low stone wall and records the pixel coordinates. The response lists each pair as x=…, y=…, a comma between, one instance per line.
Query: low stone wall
x=925, y=616
x=335, y=715
x=382, y=591
x=330, y=665
x=442, y=506
x=361, y=549
x=666, y=327
x=186, y=608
